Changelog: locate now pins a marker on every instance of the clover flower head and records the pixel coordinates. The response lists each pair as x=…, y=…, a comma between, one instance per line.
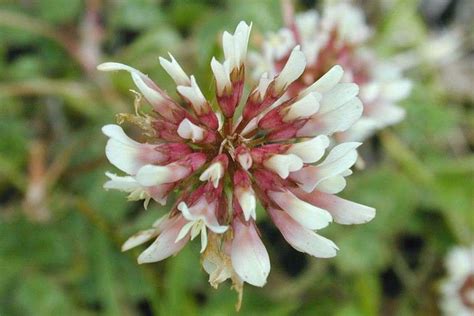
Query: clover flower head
x=339, y=36
x=226, y=156
x=457, y=289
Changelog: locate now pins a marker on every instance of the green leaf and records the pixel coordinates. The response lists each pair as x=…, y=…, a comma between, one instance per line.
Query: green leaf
x=456, y=203
x=39, y=295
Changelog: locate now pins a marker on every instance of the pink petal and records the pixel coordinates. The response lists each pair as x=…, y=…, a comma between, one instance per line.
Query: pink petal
x=301, y=238
x=343, y=211
x=248, y=254
x=159, y=193
x=165, y=246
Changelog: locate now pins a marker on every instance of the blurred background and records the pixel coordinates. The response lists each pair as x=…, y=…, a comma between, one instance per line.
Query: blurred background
x=60, y=232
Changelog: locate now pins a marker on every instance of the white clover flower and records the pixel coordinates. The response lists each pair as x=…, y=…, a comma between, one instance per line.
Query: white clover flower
x=457, y=289
x=221, y=162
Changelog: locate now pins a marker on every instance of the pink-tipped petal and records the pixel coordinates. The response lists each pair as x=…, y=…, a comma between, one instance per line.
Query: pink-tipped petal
x=304, y=213
x=343, y=211
x=165, y=245
x=127, y=154
x=249, y=256
x=301, y=238
x=139, y=238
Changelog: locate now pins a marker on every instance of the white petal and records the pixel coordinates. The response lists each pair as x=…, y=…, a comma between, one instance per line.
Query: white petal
x=386, y=114
x=210, y=220
x=196, y=229
x=336, y=120
x=228, y=47
x=459, y=262
x=263, y=84
x=332, y=185
x=343, y=211
x=121, y=150
x=126, y=184
x=326, y=82
x=348, y=20
x=303, y=108
x=369, y=92
x=311, y=150
x=341, y=158
x=175, y=71
x=111, y=66
x=346, y=173
x=304, y=213
x=397, y=89
x=203, y=239
x=362, y=129
x=165, y=246
x=150, y=175
x=247, y=201
x=301, y=238
x=184, y=231
x=221, y=74
x=218, y=229
x=292, y=70
x=249, y=256
x=235, y=46
x=245, y=160
x=188, y=130
x=242, y=36
x=139, y=238
x=202, y=210
x=194, y=95
x=311, y=49
x=116, y=132
x=344, y=155
x=252, y=125
x=183, y=207
x=214, y=173
x=306, y=178
x=284, y=164
x=153, y=96
x=220, y=120
x=277, y=46
x=307, y=24
x=339, y=95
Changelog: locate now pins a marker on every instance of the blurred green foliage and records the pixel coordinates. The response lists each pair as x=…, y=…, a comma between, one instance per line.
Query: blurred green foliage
x=60, y=232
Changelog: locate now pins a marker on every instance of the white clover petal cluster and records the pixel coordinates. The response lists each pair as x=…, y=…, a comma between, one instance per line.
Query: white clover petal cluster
x=220, y=162
x=339, y=36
